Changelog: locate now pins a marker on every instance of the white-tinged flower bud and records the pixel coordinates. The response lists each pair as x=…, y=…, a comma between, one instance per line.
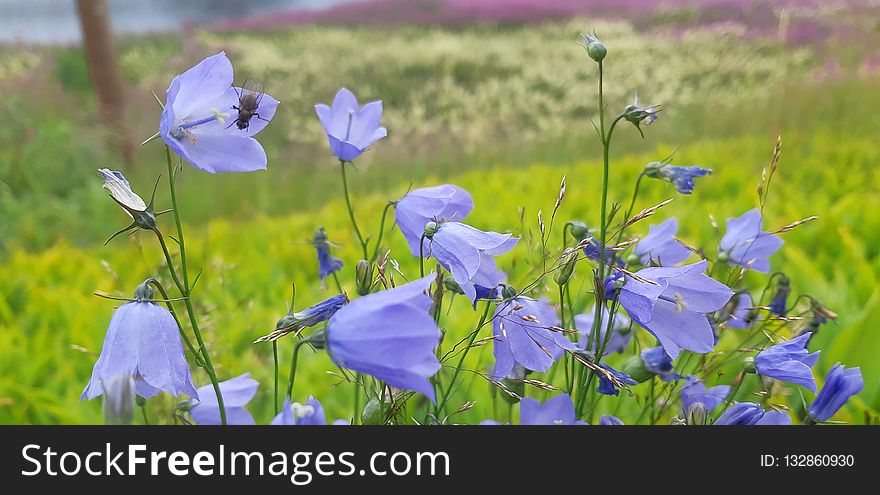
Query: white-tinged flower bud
x=119, y=400
x=697, y=414
x=364, y=272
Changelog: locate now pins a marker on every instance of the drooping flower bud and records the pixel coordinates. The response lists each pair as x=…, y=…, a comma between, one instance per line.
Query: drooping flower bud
x=364, y=272
x=579, y=230
x=637, y=114
x=595, y=48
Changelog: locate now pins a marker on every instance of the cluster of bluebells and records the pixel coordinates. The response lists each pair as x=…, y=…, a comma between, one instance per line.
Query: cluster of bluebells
x=650, y=314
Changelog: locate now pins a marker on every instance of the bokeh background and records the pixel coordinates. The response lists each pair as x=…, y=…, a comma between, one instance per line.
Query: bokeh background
x=492, y=95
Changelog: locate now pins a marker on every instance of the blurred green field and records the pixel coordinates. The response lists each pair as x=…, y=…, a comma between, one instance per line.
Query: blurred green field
x=502, y=113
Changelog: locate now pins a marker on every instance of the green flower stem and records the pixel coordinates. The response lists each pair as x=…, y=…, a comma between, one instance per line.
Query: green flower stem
x=732, y=397
x=603, y=222
x=144, y=413
x=357, y=230
x=275, y=362
x=155, y=283
x=185, y=288
x=632, y=204
x=357, y=400
x=464, y=354
x=293, y=361
x=381, y=233
x=422, y=256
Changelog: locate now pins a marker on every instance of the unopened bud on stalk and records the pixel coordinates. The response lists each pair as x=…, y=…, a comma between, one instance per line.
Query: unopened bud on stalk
x=364, y=273
x=595, y=48
x=635, y=367
x=563, y=274
x=372, y=413
x=452, y=286
x=749, y=364
x=318, y=339
x=514, y=383
x=508, y=292
x=697, y=414
x=579, y=230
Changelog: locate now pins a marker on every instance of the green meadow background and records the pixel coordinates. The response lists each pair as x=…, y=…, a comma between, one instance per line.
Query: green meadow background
x=503, y=111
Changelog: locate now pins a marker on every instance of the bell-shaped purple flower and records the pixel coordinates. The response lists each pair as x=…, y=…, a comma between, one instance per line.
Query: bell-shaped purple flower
x=389, y=335
x=680, y=177
x=789, y=361
x=609, y=420
x=468, y=254
x=743, y=314
x=840, y=384
x=311, y=413
x=557, y=410
x=143, y=341
x=526, y=333
x=236, y=392
x=671, y=303
x=745, y=245
x=350, y=128
x=430, y=204
x=620, y=331
x=694, y=391
x=609, y=387
x=660, y=246
x=749, y=414
x=198, y=120
x=327, y=264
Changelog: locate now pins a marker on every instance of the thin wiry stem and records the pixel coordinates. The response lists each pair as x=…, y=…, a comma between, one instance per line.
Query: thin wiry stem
x=184, y=288
x=357, y=230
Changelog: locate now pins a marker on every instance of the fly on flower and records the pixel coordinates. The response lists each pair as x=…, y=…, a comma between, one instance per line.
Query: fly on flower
x=249, y=99
x=194, y=122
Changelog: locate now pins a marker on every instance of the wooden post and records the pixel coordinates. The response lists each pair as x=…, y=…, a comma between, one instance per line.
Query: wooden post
x=100, y=51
